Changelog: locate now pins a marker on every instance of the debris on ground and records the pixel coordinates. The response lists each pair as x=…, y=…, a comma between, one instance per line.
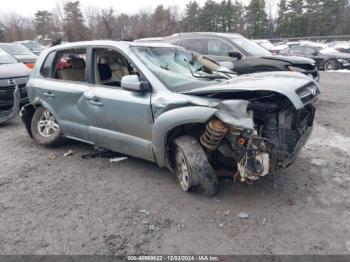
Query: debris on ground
x=69, y=153
x=101, y=152
x=226, y=213
x=243, y=215
x=151, y=227
x=52, y=156
x=118, y=159
x=144, y=211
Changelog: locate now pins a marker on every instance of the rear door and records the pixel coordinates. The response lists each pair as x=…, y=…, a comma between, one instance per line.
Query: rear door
x=62, y=90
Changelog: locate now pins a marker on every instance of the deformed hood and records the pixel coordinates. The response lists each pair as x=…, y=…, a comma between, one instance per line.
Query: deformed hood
x=285, y=83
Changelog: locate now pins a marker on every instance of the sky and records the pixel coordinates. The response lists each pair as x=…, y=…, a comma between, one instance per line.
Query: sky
x=29, y=7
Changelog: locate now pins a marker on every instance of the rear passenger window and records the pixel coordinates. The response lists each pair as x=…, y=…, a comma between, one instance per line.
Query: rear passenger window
x=46, y=69
x=67, y=65
x=197, y=45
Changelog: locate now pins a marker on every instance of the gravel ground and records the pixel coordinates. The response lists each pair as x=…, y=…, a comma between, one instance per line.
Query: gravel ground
x=52, y=204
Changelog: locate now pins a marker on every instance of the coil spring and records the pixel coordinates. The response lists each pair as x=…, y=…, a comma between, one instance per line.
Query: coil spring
x=214, y=133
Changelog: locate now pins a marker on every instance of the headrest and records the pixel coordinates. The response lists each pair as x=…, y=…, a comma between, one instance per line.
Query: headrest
x=77, y=62
x=102, y=60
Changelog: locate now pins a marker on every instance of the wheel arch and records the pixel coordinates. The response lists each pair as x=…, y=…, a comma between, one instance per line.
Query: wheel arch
x=170, y=124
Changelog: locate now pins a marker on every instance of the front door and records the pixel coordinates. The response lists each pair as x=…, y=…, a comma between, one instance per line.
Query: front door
x=119, y=119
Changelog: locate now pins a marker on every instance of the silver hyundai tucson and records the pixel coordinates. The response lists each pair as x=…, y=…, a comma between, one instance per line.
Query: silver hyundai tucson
x=164, y=104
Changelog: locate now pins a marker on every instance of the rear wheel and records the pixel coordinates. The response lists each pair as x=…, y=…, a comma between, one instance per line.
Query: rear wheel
x=45, y=128
x=330, y=65
x=192, y=166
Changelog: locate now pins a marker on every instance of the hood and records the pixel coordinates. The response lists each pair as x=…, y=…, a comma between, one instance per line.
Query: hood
x=285, y=83
x=291, y=59
x=13, y=70
x=337, y=55
x=26, y=58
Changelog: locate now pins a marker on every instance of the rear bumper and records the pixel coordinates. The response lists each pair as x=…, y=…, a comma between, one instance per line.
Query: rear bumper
x=8, y=114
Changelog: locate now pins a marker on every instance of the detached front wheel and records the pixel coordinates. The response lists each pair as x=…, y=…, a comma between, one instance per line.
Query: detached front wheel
x=192, y=167
x=45, y=128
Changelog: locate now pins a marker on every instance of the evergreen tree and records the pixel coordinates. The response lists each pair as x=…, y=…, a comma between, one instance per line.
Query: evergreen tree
x=256, y=19
x=314, y=14
x=2, y=31
x=296, y=19
x=74, y=26
x=43, y=23
x=191, y=18
x=238, y=17
x=282, y=22
x=208, y=16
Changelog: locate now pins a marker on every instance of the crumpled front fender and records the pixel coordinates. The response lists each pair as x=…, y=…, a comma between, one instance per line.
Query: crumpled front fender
x=232, y=112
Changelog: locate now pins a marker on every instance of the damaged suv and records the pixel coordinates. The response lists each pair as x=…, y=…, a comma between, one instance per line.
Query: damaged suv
x=161, y=103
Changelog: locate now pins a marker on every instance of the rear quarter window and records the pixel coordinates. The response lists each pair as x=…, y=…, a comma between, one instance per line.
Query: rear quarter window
x=46, y=69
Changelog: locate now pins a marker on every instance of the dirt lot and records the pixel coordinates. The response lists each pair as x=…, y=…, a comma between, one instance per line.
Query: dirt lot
x=71, y=205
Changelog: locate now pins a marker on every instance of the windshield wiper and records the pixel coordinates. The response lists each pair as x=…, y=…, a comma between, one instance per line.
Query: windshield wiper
x=202, y=76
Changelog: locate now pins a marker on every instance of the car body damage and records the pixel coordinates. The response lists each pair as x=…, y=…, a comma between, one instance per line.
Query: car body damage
x=8, y=114
x=174, y=108
x=256, y=136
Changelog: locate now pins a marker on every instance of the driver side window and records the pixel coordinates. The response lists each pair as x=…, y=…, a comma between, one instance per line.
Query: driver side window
x=297, y=50
x=218, y=47
x=110, y=66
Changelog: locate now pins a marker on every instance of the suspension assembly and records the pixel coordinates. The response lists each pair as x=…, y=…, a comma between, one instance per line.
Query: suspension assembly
x=214, y=133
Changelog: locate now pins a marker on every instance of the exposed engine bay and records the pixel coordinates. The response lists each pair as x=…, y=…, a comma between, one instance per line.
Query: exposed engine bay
x=280, y=131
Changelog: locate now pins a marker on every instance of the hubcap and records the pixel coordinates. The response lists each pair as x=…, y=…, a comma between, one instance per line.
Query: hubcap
x=330, y=66
x=183, y=174
x=47, y=125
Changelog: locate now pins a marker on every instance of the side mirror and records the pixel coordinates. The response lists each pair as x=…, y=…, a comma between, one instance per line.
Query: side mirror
x=234, y=54
x=315, y=53
x=132, y=82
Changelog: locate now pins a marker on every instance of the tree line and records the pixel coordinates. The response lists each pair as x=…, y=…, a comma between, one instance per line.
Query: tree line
x=257, y=19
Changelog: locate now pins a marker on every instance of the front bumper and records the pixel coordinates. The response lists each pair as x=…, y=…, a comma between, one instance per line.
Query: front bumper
x=290, y=158
x=345, y=65
x=6, y=96
x=8, y=114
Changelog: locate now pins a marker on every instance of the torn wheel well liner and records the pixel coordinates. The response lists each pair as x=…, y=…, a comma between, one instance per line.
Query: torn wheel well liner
x=26, y=115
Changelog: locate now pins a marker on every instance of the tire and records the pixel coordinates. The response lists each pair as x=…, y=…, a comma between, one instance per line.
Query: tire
x=44, y=127
x=189, y=156
x=330, y=65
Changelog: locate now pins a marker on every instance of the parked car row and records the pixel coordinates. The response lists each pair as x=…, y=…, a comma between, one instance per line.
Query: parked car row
x=247, y=56
x=329, y=57
x=16, y=61
x=13, y=78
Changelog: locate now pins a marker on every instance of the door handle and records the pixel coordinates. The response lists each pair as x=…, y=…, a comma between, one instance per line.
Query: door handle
x=49, y=94
x=95, y=102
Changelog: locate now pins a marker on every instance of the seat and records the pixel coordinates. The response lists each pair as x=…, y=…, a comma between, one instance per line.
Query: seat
x=75, y=73
x=104, y=70
x=119, y=69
